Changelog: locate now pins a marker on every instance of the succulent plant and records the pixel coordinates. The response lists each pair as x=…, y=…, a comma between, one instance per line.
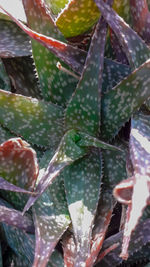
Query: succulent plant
x=74, y=134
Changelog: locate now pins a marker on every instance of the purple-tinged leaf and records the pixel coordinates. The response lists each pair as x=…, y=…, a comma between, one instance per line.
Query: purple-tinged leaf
x=51, y=217
x=14, y=218
x=122, y=8
x=123, y=100
x=18, y=165
x=4, y=79
x=72, y=56
x=82, y=184
x=21, y=72
x=138, y=249
x=4, y=185
x=37, y=121
x=141, y=18
x=135, y=191
x=117, y=49
x=133, y=46
x=83, y=110
x=56, y=85
x=13, y=41
x=67, y=152
x=77, y=17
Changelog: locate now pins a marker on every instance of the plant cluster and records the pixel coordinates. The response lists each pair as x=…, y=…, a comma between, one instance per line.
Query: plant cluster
x=75, y=134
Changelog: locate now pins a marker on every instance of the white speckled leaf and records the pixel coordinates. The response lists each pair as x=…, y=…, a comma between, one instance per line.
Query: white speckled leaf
x=14, y=217
x=138, y=249
x=77, y=17
x=21, y=71
x=5, y=134
x=56, y=5
x=83, y=110
x=68, y=151
x=51, y=216
x=135, y=191
x=69, y=54
x=37, y=121
x=18, y=166
x=134, y=47
x=56, y=85
x=123, y=100
x=13, y=41
x=82, y=184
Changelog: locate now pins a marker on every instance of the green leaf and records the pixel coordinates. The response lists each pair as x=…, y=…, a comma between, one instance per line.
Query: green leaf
x=18, y=165
x=133, y=46
x=56, y=5
x=77, y=17
x=37, y=121
x=67, y=152
x=56, y=85
x=4, y=134
x=51, y=216
x=122, y=8
x=82, y=184
x=13, y=41
x=120, y=103
x=4, y=79
x=23, y=77
x=83, y=110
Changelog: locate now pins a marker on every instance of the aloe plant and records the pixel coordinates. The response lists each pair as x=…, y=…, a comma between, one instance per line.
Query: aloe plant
x=74, y=134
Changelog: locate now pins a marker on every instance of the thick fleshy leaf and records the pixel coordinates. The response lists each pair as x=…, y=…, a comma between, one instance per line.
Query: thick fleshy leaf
x=37, y=121
x=90, y=141
x=83, y=110
x=114, y=170
x=134, y=47
x=20, y=242
x=120, y=103
x=77, y=17
x=18, y=165
x=5, y=134
x=128, y=191
x=4, y=79
x=69, y=249
x=13, y=41
x=123, y=9
x=67, y=152
x=51, y=216
x=82, y=184
x=21, y=71
x=56, y=5
x=56, y=85
x=140, y=17
x=138, y=249
x=14, y=217
x=72, y=56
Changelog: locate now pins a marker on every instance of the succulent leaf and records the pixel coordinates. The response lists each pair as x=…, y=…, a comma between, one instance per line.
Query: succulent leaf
x=138, y=249
x=83, y=110
x=56, y=5
x=13, y=217
x=128, y=191
x=56, y=85
x=67, y=152
x=37, y=121
x=13, y=41
x=82, y=182
x=18, y=165
x=72, y=56
x=134, y=47
x=123, y=100
x=18, y=69
x=77, y=17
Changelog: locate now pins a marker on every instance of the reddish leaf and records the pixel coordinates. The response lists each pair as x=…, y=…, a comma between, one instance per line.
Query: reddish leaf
x=72, y=56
